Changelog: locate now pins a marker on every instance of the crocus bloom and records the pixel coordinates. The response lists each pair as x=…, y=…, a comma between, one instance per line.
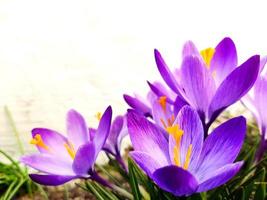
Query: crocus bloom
x=255, y=101
x=184, y=163
x=61, y=158
x=160, y=104
x=210, y=80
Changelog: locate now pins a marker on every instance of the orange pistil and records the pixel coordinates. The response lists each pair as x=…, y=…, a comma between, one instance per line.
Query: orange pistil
x=163, y=102
x=169, y=121
x=38, y=141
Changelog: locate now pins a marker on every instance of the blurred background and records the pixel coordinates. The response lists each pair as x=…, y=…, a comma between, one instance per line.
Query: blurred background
x=60, y=54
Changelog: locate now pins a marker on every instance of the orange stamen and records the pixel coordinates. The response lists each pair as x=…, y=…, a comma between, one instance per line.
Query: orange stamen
x=38, y=141
x=163, y=123
x=163, y=102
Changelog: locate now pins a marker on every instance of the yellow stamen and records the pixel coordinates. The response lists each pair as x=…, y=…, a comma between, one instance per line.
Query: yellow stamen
x=176, y=156
x=98, y=115
x=69, y=147
x=207, y=55
x=176, y=132
x=187, y=158
x=162, y=101
x=38, y=141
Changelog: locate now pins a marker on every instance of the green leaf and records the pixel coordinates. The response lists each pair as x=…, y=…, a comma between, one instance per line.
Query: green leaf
x=148, y=184
x=99, y=191
x=89, y=187
x=133, y=181
x=104, y=191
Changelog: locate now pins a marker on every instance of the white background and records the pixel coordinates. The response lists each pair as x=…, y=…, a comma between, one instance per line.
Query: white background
x=56, y=55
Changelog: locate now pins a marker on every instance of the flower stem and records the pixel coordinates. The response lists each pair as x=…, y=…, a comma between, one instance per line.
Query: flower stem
x=99, y=179
x=121, y=162
x=122, y=192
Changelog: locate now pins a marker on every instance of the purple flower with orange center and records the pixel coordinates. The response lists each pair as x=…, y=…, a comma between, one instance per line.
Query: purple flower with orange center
x=210, y=80
x=185, y=163
x=61, y=158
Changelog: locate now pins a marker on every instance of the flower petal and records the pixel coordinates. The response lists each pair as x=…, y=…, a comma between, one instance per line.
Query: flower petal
x=189, y=49
x=147, y=138
x=262, y=68
x=103, y=130
x=197, y=83
x=260, y=101
x=77, y=129
x=219, y=177
x=166, y=72
x=137, y=105
x=224, y=60
x=175, y=180
x=48, y=164
x=115, y=135
x=51, y=180
x=221, y=147
x=189, y=121
x=158, y=89
x=84, y=158
x=146, y=162
x=92, y=132
x=236, y=85
x=178, y=104
x=53, y=140
x=115, y=129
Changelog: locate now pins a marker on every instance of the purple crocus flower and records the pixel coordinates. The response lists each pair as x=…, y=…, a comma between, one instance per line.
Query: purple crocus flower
x=185, y=164
x=255, y=101
x=61, y=158
x=141, y=105
x=160, y=104
x=210, y=80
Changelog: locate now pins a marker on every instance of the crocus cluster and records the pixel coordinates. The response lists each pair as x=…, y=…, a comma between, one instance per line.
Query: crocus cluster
x=170, y=128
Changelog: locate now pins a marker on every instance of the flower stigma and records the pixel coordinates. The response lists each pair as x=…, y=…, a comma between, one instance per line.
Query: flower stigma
x=38, y=141
x=163, y=102
x=207, y=55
